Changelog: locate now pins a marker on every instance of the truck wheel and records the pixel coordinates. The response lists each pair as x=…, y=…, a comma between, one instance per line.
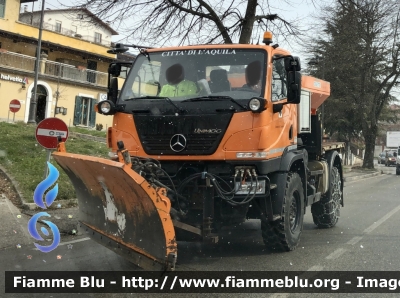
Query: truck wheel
x=397, y=171
x=326, y=212
x=284, y=234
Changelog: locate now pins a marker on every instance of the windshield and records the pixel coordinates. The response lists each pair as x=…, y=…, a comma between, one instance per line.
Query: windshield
x=182, y=75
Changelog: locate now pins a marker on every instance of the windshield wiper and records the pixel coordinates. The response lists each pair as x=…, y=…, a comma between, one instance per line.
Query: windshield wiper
x=143, y=97
x=215, y=97
x=158, y=97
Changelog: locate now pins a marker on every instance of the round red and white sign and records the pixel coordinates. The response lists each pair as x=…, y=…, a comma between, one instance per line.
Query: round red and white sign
x=48, y=130
x=15, y=105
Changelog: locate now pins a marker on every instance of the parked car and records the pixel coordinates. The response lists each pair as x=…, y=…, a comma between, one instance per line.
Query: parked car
x=398, y=162
x=381, y=157
x=390, y=158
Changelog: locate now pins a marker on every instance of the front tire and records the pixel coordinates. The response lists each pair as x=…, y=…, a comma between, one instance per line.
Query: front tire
x=284, y=234
x=326, y=212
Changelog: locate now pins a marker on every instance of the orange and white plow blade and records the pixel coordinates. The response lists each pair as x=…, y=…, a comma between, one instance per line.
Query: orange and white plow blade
x=121, y=210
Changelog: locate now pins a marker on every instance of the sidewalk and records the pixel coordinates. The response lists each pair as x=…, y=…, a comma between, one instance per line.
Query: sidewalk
x=353, y=174
x=15, y=216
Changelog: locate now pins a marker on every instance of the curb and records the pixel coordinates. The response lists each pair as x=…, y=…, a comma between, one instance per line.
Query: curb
x=354, y=178
x=64, y=203
x=32, y=206
x=14, y=184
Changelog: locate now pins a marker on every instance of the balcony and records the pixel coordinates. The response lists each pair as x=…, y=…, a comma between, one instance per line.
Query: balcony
x=80, y=74
x=71, y=33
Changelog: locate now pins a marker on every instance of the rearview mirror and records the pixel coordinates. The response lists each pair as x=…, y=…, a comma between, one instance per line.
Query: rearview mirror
x=293, y=87
x=113, y=90
x=292, y=63
x=114, y=70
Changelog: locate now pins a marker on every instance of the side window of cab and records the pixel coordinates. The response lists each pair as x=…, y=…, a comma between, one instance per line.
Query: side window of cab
x=278, y=84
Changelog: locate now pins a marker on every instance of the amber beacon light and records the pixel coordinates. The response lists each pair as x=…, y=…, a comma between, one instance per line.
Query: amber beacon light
x=267, y=37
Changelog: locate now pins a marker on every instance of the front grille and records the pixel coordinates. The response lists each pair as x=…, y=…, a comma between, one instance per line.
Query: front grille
x=196, y=144
x=155, y=133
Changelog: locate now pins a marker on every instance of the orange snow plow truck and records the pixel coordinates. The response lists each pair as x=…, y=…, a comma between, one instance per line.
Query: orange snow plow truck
x=203, y=138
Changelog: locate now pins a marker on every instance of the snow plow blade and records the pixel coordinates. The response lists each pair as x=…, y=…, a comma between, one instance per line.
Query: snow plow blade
x=119, y=209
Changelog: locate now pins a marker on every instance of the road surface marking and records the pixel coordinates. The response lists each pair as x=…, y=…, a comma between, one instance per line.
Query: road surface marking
x=354, y=240
x=381, y=221
x=51, y=132
x=372, y=227
x=279, y=295
x=316, y=268
x=337, y=253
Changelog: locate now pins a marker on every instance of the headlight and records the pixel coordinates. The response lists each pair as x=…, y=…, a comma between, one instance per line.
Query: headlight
x=106, y=107
x=257, y=104
x=251, y=154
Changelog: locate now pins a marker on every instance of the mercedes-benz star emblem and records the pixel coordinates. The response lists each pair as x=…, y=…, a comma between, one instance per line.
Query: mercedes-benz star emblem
x=177, y=143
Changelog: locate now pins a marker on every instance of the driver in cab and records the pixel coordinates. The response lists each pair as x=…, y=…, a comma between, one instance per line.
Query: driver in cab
x=177, y=85
x=253, y=76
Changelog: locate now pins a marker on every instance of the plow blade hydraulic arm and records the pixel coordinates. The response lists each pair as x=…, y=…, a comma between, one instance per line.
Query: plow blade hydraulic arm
x=121, y=210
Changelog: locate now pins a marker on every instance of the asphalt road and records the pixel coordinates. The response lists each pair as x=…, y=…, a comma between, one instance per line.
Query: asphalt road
x=366, y=238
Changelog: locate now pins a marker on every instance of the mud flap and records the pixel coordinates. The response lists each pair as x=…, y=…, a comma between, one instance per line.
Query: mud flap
x=121, y=210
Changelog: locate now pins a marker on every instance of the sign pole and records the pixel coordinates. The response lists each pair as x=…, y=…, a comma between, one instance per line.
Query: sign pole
x=46, y=170
x=14, y=117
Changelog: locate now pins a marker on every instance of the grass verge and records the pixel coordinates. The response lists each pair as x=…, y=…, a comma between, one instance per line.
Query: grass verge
x=25, y=159
x=88, y=131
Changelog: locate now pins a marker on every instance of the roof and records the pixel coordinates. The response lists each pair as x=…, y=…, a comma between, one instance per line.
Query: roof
x=93, y=16
x=52, y=45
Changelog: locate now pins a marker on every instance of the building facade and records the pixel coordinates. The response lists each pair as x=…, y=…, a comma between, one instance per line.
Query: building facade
x=72, y=71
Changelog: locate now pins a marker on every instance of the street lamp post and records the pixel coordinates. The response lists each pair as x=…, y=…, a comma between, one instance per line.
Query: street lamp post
x=33, y=105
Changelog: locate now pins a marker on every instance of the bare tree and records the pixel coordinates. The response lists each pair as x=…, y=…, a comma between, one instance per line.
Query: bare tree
x=191, y=21
x=362, y=50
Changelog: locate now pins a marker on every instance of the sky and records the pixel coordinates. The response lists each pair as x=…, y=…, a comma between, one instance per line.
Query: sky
x=299, y=11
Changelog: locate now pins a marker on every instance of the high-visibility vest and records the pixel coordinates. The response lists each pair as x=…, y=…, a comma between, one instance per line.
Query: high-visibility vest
x=181, y=89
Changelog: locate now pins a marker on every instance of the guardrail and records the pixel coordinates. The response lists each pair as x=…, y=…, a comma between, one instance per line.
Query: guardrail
x=70, y=72
x=17, y=61
x=63, y=71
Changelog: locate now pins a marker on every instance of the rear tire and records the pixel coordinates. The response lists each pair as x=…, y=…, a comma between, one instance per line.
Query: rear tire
x=284, y=234
x=326, y=212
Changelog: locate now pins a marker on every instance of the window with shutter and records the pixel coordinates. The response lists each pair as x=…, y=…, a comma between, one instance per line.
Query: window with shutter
x=78, y=110
x=92, y=112
x=84, y=113
x=2, y=8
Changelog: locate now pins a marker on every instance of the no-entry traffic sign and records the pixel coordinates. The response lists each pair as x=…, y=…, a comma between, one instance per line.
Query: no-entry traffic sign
x=48, y=130
x=15, y=105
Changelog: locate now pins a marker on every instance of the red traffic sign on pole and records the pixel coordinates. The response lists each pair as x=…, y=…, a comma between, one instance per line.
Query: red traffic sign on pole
x=48, y=130
x=15, y=105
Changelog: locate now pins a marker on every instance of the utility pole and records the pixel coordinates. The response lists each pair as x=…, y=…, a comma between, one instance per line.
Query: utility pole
x=33, y=105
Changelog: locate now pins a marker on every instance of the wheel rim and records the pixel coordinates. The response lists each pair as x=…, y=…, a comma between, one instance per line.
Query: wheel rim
x=294, y=212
